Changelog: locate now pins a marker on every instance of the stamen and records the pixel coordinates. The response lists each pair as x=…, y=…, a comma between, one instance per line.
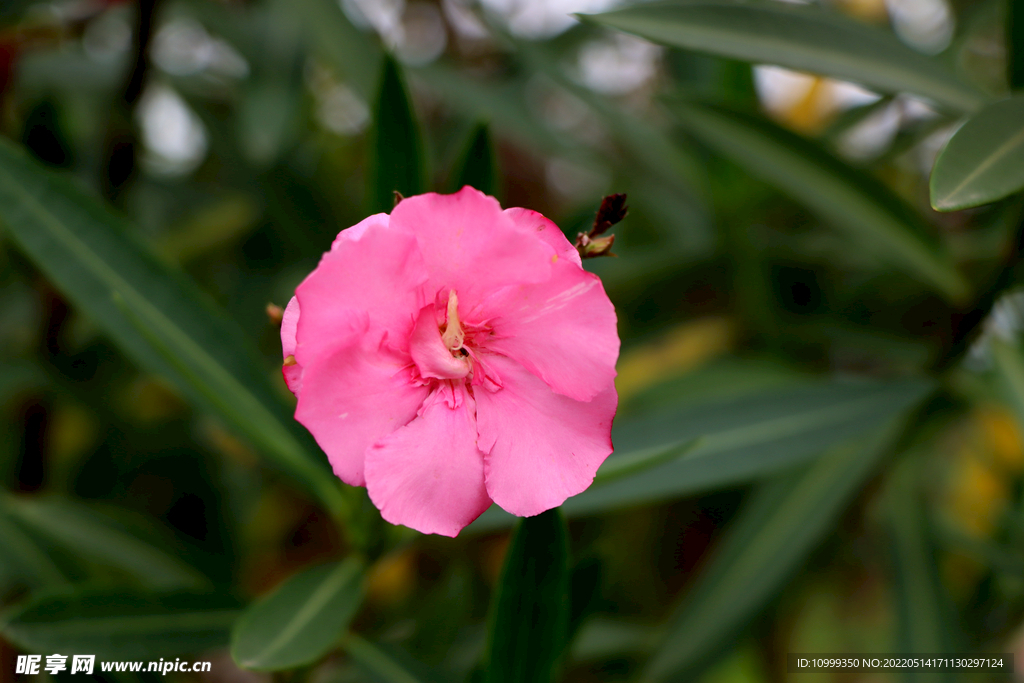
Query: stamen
x=453, y=335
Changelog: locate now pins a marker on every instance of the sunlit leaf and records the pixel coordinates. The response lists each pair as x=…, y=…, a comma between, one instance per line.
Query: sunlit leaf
x=397, y=162
x=116, y=624
x=300, y=621
x=769, y=540
x=530, y=615
x=848, y=198
x=984, y=161
x=158, y=318
x=802, y=37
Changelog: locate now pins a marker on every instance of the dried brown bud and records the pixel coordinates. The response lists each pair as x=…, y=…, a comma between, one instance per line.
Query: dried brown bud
x=398, y=198
x=613, y=209
x=275, y=314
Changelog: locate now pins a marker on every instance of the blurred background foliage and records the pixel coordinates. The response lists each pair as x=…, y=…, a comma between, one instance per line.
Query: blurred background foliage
x=819, y=442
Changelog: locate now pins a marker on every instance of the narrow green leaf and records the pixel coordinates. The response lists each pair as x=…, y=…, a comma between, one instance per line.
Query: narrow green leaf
x=91, y=535
x=378, y=663
x=1015, y=44
x=302, y=620
x=23, y=558
x=845, y=196
x=924, y=609
x=770, y=539
x=802, y=37
x=156, y=316
x=396, y=148
x=984, y=160
x=530, y=615
x=477, y=166
x=634, y=463
x=1009, y=365
x=740, y=439
x=116, y=624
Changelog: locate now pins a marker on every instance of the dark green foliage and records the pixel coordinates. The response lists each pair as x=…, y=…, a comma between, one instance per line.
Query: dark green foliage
x=530, y=617
x=477, y=166
x=396, y=148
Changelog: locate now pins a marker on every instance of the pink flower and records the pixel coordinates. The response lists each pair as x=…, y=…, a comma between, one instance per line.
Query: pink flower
x=453, y=354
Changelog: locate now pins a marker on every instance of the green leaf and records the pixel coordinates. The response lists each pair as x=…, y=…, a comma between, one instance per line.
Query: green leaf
x=89, y=534
x=924, y=609
x=117, y=624
x=802, y=37
x=23, y=558
x=377, y=662
x=740, y=439
x=984, y=160
x=397, y=158
x=302, y=620
x=154, y=315
x=848, y=198
x=530, y=615
x=477, y=165
x=634, y=463
x=769, y=540
x=1009, y=366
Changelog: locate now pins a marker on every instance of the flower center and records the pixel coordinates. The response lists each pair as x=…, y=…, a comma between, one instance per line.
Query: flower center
x=453, y=336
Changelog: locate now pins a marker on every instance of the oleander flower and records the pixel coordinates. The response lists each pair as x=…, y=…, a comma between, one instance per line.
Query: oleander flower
x=453, y=354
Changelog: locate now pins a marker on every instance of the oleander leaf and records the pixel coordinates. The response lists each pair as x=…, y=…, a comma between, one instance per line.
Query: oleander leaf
x=300, y=621
x=868, y=211
x=802, y=37
x=984, y=161
x=122, y=625
x=157, y=317
x=530, y=615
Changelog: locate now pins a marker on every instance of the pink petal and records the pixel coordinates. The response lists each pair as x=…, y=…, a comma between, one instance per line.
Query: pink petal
x=429, y=353
x=548, y=231
x=289, y=323
x=563, y=330
x=470, y=245
x=381, y=273
x=377, y=220
x=429, y=475
x=542, y=447
x=353, y=397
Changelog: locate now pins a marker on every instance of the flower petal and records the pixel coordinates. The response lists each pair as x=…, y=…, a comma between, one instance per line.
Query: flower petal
x=470, y=245
x=429, y=475
x=353, y=397
x=356, y=232
x=541, y=447
x=381, y=273
x=292, y=371
x=549, y=232
x=563, y=330
x=429, y=353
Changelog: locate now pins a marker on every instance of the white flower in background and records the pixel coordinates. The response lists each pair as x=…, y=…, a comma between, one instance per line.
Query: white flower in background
x=617, y=65
x=542, y=18
x=173, y=137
